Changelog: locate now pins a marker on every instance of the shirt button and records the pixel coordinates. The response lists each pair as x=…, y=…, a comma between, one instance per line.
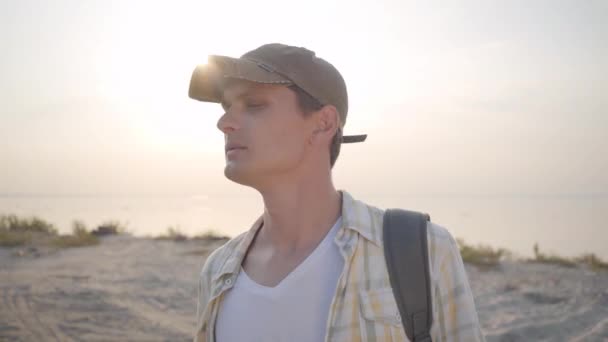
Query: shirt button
x=228, y=281
x=398, y=318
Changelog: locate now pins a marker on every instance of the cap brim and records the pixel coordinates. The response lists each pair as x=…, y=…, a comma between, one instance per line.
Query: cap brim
x=346, y=139
x=207, y=81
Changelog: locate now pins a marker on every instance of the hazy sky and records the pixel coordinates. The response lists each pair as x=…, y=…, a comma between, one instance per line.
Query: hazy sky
x=505, y=97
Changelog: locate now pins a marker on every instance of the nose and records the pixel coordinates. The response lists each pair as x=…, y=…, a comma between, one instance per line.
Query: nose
x=227, y=123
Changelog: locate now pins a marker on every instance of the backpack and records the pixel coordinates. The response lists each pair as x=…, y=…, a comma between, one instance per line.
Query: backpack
x=406, y=254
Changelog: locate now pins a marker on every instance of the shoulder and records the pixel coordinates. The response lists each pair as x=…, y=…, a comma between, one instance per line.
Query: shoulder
x=442, y=248
x=439, y=239
x=455, y=315
x=212, y=269
x=369, y=221
x=217, y=259
x=439, y=232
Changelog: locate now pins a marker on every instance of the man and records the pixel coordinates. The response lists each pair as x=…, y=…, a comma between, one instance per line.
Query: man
x=312, y=267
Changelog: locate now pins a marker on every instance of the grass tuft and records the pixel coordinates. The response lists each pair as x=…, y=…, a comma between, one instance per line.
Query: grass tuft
x=593, y=262
x=16, y=231
x=211, y=235
x=481, y=255
x=80, y=237
x=551, y=259
x=173, y=234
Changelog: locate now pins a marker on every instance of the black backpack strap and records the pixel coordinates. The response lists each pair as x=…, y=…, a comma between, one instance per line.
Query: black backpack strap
x=406, y=254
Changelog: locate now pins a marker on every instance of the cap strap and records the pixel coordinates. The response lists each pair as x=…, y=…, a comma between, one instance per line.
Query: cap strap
x=354, y=138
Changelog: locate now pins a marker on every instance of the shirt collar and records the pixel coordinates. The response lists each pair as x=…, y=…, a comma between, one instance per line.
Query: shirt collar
x=356, y=216
x=361, y=218
x=232, y=262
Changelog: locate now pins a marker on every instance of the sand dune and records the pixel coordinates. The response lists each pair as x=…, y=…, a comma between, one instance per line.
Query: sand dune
x=134, y=289
x=534, y=302
x=123, y=289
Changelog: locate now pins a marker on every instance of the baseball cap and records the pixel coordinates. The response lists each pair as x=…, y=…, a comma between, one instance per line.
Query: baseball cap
x=275, y=64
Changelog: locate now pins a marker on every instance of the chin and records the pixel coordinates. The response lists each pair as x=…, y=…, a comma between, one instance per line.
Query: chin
x=237, y=174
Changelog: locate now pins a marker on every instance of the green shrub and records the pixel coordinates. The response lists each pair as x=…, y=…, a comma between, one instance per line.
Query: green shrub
x=551, y=259
x=13, y=223
x=594, y=262
x=211, y=235
x=481, y=255
x=16, y=231
x=13, y=239
x=80, y=237
x=173, y=234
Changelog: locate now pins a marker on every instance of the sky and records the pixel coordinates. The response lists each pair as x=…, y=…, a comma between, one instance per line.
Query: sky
x=468, y=98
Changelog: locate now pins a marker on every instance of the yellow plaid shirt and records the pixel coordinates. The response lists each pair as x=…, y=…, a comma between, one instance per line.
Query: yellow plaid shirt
x=363, y=307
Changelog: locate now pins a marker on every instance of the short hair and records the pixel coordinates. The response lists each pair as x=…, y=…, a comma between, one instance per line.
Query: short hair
x=309, y=104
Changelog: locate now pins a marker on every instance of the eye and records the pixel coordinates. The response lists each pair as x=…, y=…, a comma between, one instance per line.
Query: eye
x=255, y=104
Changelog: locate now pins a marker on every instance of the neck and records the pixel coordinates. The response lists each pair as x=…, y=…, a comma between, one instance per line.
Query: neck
x=298, y=215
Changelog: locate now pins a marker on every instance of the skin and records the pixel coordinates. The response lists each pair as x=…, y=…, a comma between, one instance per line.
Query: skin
x=273, y=147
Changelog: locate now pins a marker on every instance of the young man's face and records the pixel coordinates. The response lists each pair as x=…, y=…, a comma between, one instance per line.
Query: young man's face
x=265, y=131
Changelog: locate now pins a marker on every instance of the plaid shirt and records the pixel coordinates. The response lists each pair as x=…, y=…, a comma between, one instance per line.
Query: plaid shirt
x=363, y=307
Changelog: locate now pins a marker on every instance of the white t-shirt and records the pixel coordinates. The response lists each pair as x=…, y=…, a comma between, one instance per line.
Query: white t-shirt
x=295, y=310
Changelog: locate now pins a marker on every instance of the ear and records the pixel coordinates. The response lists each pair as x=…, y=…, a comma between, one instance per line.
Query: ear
x=327, y=122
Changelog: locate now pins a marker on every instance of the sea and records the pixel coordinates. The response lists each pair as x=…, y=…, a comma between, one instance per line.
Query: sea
x=563, y=225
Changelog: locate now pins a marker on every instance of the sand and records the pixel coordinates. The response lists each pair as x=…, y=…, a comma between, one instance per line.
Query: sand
x=136, y=289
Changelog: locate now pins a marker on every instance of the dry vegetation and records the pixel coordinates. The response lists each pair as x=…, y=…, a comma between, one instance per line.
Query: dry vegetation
x=589, y=260
x=211, y=235
x=593, y=262
x=175, y=234
x=110, y=228
x=481, y=255
x=16, y=231
x=488, y=257
x=80, y=237
x=35, y=232
x=554, y=259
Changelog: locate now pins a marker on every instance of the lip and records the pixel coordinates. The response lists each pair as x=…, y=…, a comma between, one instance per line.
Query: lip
x=234, y=147
x=232, y=153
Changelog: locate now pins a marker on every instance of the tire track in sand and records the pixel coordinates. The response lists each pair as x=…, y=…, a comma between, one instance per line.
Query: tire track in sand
x=17, y=303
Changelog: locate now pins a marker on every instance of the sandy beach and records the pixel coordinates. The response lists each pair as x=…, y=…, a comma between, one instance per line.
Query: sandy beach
x=138, y=289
